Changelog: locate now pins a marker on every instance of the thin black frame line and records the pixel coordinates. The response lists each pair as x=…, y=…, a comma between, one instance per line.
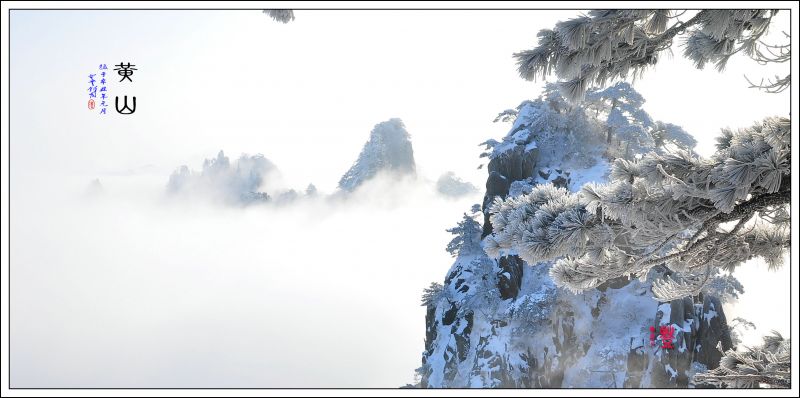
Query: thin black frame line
x=307, y=9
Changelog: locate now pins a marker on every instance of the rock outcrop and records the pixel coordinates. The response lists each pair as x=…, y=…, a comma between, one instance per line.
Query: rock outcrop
x=238, y=182
x=388, y=149
x=503, y=323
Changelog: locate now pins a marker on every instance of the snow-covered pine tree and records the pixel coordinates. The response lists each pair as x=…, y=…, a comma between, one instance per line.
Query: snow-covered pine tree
x=625, y=119
x=703, y=215
x=283, y=16
x=628, y=127
x=693, y=215
x=467, y=237
x=615, y=112
x=548, y=122
x=607, y=45
x=766, y=366
x=738, y=326
x=669, y=137
x=236, y=182
x=724, y=286
x=432, y=294
x=311, y=190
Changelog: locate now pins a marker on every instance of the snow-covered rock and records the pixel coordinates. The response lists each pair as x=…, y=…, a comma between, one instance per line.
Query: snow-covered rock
x=503, y=323
x=388, y=149
x=450, y=185
x=239, y=182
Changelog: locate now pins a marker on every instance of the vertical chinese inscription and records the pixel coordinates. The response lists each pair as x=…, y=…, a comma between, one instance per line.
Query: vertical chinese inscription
x=92, y=91
x=103, y=89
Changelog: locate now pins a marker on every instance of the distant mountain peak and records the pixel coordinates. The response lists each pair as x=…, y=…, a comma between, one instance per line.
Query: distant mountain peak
x=388, y=149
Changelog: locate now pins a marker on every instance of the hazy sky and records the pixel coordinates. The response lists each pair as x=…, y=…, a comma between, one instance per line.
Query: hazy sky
x=138, y=292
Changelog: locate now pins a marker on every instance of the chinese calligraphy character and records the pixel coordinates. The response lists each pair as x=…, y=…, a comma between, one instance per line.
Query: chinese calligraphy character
x=103, y=89
x=125, y=107
x=125, y=70
x=92, y=91
x=99, y=93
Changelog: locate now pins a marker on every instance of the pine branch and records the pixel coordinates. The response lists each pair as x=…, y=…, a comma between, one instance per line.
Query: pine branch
x=743, y=210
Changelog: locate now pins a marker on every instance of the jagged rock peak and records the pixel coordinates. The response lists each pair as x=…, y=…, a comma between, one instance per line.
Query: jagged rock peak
x=388, y=149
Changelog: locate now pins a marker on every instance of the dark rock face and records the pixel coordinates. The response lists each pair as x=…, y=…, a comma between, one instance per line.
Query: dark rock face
x=698, y=328
x=636, y=364
x=514, y=165
x=431, y=328
x=540, y=373
x=496, y=186
x=713, y=328
x=509, y=279
x=450, y=315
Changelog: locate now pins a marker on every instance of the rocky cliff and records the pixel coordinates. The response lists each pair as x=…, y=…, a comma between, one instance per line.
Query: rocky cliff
x=503, y=323
x=388, y=149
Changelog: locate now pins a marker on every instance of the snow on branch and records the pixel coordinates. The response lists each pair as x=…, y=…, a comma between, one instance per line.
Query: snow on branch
x=608, y=45
x=766, y=366
x=283, y=16
x=695, y=216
